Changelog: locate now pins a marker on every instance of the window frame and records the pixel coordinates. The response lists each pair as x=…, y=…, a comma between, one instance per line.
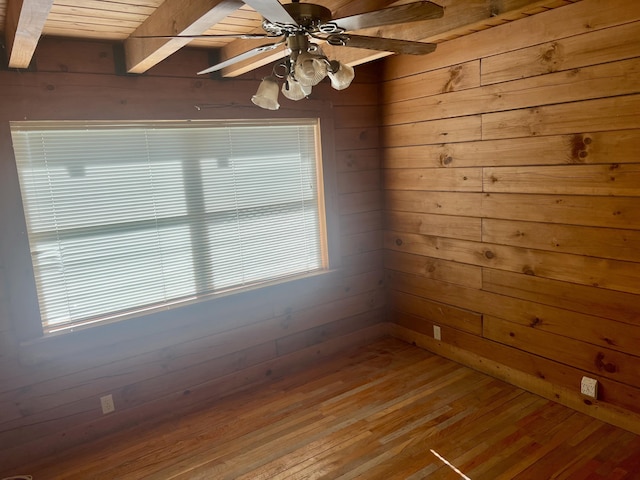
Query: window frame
x=188, y=187
x=23, y=305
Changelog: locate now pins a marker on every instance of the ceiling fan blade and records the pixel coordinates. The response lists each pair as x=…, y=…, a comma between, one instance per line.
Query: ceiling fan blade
x=410, y=12
x=245, y=36
x=272, y=10
x=243, y=56
x=384, y=44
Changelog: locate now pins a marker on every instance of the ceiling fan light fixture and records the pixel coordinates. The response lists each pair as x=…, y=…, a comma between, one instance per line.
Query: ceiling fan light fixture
x=294, y=90
x=300, y=25
x=309, y=69
x=340, y=74
x=267, y=94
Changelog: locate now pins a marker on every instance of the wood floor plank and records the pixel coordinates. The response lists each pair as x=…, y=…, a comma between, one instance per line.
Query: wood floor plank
x=386, y=411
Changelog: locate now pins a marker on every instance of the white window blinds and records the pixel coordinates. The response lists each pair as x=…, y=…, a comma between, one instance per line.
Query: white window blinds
x=123, y=218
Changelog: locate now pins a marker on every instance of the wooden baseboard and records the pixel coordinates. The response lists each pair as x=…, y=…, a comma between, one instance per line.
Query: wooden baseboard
x=607, y=413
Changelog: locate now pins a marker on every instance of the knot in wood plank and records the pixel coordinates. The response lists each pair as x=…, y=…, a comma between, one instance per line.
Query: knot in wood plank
x=601, y=365
x=579, y=149
x=455, y=74
x=445, y=159
x=551, y=57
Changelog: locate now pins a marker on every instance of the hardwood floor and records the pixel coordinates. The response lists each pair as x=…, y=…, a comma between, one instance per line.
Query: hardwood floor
x=386, y=411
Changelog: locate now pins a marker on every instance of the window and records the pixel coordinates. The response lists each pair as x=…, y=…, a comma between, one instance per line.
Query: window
x=126, y=218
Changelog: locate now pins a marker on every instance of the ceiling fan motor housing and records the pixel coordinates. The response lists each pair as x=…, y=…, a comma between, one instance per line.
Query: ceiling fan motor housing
x=308, y=17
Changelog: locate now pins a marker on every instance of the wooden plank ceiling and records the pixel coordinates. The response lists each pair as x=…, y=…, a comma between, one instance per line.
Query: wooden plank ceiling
x=26, y=21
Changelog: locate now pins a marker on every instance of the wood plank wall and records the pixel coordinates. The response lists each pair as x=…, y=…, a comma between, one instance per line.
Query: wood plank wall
x=512, y=176
x=182, y=359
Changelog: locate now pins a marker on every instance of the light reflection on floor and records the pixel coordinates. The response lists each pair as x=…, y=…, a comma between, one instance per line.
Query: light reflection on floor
x=452, y=467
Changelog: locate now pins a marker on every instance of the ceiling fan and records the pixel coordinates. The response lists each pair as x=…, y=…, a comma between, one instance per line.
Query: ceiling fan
x=301, y=27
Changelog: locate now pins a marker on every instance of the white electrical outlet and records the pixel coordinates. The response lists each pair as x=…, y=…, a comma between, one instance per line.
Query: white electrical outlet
x=436, y=332
x=107, y=404
x=589, y=387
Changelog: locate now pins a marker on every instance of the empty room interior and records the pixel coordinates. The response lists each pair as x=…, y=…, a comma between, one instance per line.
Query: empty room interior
x=330, y=239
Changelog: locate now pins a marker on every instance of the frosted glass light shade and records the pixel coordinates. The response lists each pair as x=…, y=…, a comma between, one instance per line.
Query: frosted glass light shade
x=293, y=90
x=310, y=69
x=342, y=77
x=267, y=94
